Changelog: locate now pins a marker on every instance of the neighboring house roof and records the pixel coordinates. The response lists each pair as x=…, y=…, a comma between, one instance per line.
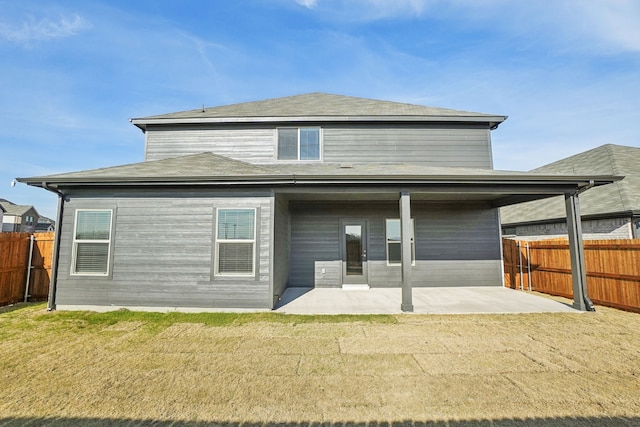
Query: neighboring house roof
x=619, y=198
x=15, y=210
x=213, y=169
x=45, y=224
x=319, y=106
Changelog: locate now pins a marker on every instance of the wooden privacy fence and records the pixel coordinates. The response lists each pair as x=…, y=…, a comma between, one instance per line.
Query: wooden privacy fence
x=613, y=269
x=19, y=260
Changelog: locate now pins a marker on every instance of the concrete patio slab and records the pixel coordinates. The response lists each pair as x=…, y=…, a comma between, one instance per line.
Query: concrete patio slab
x=462, y=300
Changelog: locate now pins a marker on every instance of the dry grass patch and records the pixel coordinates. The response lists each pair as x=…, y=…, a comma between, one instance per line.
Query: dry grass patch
x=360, y=365
x=404, y=344
x=122, y=366
x=288, y=345
x=477, y=364
x=194, y=345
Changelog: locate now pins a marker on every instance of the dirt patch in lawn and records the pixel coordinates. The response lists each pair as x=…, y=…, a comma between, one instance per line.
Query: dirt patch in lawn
x=467, y=370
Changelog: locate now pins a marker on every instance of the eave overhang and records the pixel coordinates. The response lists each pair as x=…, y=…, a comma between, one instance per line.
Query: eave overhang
x=596, y=216
x=498, y=190
x=492, y=121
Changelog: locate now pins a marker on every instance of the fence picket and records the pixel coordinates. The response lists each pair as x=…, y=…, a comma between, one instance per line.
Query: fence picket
x=14, y=257
x=613, y=270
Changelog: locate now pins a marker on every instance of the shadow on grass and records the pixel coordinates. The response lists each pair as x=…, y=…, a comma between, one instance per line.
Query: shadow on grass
x=14, y=307
x=529, y=422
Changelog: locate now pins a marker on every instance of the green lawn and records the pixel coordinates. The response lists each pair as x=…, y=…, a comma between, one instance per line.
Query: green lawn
x=268, y=369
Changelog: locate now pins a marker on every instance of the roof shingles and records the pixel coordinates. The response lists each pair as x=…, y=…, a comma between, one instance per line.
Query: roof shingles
x=212, y=167
x=620, y=197
x=319, y=105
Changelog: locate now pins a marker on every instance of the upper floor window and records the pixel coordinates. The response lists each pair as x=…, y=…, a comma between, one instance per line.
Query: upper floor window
x=91, y=242
x=299, y=144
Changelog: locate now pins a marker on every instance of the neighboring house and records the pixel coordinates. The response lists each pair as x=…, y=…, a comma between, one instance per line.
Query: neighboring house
x=45, y=225
x=608, y=212
x=232, y=205
x=2, y=211
x=18, y=218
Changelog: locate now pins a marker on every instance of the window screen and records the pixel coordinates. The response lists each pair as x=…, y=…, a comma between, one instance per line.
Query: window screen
x=288, y=144
x=92, y=240
x=394, y=241
x=235, y=241
x=309, y=144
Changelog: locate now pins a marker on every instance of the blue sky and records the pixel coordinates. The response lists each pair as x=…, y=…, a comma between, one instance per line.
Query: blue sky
x=72, y=73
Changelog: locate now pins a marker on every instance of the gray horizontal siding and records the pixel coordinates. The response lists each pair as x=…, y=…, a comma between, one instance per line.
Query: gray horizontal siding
x=448, y=273
x=463, y=145
x=253, y=145
x=457, y=244
x=456, y=231
x=435, y=145
x=315, y=237
x=281, y=248
x=163, y=251
x=327, y=274
x=458, y=273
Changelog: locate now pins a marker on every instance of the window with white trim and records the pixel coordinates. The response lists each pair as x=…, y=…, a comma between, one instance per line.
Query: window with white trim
x=394, y=242
x=91, y=242
x=298, y=143
x=235, y=242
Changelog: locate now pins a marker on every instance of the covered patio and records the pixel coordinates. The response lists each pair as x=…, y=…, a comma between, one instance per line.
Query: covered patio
x=435, y=300
x=406, y=189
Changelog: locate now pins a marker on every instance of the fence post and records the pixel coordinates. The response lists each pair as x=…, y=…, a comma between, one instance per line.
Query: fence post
x=529, y=266
x=520, y=263
x=29, y=261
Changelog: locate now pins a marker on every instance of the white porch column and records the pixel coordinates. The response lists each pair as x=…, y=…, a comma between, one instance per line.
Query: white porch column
x=581, y=299
x=405, y=228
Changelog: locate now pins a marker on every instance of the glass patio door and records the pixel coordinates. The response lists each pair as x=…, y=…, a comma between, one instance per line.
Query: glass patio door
x=354, y=251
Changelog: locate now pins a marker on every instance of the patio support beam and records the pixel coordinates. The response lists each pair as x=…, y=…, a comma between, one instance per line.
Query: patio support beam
x=405, y=230
x=581, y=299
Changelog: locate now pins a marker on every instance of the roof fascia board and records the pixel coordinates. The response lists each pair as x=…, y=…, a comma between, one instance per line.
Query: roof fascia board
x=466, y=185
x=442, y=178
x=142, y=122
x=608, y=215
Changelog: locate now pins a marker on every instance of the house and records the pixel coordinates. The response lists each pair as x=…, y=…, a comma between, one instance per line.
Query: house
x=45, y=225
x=2, y=211
x=235, y=204
x=18, y=218
x=609, y=212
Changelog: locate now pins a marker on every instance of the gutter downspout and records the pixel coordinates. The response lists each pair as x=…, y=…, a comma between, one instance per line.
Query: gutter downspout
x=585, y=188
x=51, y=304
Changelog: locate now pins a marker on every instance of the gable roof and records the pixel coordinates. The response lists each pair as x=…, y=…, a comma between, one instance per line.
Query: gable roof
x=318, y=107
x=15, y=210
x=622, y=197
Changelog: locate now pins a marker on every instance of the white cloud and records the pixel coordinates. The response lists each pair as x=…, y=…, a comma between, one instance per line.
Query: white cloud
x=367, y=10
x=34, y=30
x=615, y=22
x=309, y=4
x=596, y=26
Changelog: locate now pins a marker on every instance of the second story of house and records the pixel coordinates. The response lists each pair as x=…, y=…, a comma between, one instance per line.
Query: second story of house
x=18, y=218
x=324, y=128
